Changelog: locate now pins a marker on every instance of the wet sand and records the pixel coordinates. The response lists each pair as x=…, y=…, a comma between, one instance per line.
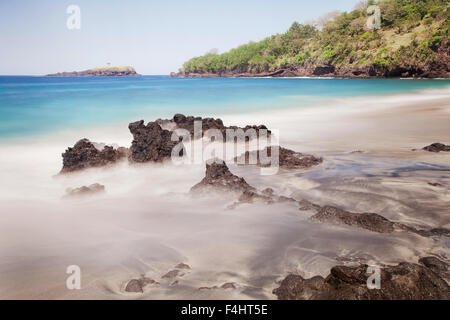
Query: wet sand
x=146, y=223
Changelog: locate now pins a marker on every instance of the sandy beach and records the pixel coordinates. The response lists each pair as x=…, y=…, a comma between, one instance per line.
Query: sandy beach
x=146, y=222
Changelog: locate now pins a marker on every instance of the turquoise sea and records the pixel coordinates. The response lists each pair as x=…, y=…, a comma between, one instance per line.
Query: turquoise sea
x=31, y=105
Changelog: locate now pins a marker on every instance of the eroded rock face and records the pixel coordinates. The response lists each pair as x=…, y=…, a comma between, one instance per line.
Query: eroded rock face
x=288, y=159
x=437, y=266
x=219, y=178
x=83, y=191
x=405, y=281
x=437, y=147
x=370, y=221
x=150, y=142
x=84, y=154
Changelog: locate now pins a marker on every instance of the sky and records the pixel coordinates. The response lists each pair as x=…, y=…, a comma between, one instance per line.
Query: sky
x=155, y=37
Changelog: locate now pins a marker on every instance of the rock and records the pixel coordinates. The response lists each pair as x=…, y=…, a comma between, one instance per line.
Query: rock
x=432, y=232
x=182, y=266
x=180, y=121
x=294, y=287
x=435, y=184
x=370, y=221
x=84, y=154
x=288, y=159
x=150, y=142
x=405, y=281
x=305, y=205
x=228, y=285
x=219, y=178
x=125, y=71
x=85, y=191
x=138, y=285
x=171, y=274
x=437, y=147
x=174, y=283
x=438, y=266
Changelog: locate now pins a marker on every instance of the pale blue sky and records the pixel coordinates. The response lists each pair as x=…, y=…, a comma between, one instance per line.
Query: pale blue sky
x=155, y=37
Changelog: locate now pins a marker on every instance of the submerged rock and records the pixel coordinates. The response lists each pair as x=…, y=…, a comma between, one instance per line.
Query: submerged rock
x=182, y=266
x=219, y=178
x=171, y=274
x=138, y=285
x=150, y=142
x=437, y=147
x=180, y=121
x=288, y=159
x=85, y=191
x=370, y=221
x=405, y=281
x=84, y=154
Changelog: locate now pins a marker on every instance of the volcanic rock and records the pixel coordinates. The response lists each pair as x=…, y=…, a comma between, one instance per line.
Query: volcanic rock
x=182, y=266
x=370, y=221
x=85, y=191
x=219, y=178
x=138, y=285
x=288, y=159
x=437, y=147
x=405, y=281
x=171, y=274
x=84, y=154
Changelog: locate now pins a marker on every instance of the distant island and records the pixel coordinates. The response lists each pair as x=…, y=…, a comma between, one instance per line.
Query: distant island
x=124, y=71
x=412, y=41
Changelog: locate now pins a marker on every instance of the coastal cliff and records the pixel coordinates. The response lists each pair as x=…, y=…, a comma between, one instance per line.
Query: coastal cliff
x=412, y=41
x=124, y=71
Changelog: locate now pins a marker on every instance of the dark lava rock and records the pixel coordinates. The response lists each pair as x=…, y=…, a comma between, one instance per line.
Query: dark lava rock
x=437, y=147
x=84, y=155
x=171, y=274
x=228, y=285
x=182, y=266
x=150, y=142
x=432, y=232
x=180, y=121
x=138, y=285
x=435, y=184
x=219, y=178
x=305, y=205
x=85, y=191
x=288, y=159
x=438, y=266
x=370, y=221
x=405, y=281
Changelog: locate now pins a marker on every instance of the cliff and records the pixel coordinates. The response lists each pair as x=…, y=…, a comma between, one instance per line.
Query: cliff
x=124, y=71
x=412, y=41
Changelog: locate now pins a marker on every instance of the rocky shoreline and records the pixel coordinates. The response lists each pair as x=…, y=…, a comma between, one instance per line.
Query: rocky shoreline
x=100, y=72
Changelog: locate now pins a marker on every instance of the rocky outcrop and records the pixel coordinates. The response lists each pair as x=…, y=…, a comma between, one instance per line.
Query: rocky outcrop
x=182, y=266
x=287, y=159
x=85, y=154
x=370, y=221
x=125, y=71
x=150, y=142
x=180, y=121
x=219, y=178
x=138, y=285
x=405, y=281
x=437, y=147
x=85, y=191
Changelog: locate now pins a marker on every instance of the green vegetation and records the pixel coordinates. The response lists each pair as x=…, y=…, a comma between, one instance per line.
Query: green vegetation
x=411, y=32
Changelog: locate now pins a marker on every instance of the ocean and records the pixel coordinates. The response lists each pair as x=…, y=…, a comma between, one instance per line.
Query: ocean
x=31, y=105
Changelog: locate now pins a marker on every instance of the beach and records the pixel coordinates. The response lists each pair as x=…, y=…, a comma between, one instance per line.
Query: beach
x=146, y=222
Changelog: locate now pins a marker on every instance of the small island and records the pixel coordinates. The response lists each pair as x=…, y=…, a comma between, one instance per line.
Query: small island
x=124, y=71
